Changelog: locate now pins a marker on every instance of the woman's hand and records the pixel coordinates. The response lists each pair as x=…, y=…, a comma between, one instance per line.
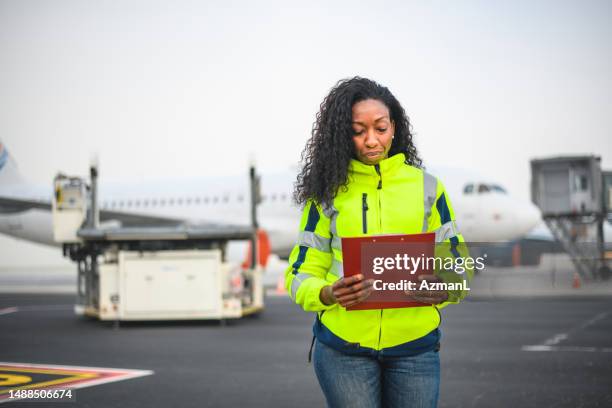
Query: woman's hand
x=347, y=291
x=433, y=297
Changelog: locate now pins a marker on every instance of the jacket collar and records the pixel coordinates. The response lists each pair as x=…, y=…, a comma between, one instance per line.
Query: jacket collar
x=387, y=166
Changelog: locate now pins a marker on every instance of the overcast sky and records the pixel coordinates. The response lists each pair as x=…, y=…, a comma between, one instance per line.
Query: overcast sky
x=172, y=89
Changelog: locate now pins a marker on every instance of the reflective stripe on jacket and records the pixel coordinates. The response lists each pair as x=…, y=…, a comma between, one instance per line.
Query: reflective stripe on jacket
x=389, y=198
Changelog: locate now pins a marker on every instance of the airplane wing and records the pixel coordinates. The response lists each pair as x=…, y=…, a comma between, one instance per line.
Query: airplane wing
x=14, y=205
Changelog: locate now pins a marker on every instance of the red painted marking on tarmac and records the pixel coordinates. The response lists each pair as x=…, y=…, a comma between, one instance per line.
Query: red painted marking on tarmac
x=8, y=310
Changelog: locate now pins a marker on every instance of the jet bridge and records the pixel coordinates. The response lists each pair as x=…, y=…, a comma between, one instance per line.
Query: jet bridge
x=607, y=191
x=570, y=193
x=154, y=272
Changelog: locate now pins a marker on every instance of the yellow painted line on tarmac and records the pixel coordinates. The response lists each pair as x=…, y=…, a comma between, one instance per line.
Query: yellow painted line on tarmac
x=12, y=379
x=71, y=376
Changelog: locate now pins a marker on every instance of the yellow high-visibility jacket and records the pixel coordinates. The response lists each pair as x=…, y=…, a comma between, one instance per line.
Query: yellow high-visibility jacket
x=391, y=197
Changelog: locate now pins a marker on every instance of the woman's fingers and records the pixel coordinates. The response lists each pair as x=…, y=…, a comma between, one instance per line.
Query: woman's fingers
x=354, y=294
x=346, y=282
x=359, y=295
x=355, y=287
x=354, y=297
x=429, y=278
x=428, y=296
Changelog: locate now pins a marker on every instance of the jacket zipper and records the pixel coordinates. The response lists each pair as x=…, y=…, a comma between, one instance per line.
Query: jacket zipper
x=378, y=191
x=377, y=168
x=379, y=188
x=364, y=212
x=380, y=328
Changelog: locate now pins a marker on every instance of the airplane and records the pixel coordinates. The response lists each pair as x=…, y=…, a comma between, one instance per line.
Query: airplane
x=485, y=212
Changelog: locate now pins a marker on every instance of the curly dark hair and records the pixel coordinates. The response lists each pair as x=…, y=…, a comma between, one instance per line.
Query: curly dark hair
x=328, y=152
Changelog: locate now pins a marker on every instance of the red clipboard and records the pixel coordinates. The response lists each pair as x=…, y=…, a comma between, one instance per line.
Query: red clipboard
x=358, y=257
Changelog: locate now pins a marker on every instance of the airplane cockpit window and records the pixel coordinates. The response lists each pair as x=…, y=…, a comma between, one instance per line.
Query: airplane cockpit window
x=468, y=189
x=483, y=188
x=498, y=189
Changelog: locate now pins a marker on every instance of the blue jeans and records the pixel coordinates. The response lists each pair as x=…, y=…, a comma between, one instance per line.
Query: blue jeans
x=375, y=382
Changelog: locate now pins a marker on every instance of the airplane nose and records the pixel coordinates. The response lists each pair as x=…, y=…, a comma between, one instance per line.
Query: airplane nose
x=530, y=217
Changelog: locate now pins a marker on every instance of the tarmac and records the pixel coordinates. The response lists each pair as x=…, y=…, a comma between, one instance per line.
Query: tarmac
x=550, y=347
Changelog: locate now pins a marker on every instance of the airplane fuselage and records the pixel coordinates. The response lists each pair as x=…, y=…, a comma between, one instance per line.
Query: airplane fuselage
x=482, y=218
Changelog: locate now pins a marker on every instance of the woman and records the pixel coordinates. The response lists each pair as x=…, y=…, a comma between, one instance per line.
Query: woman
x=361, y=176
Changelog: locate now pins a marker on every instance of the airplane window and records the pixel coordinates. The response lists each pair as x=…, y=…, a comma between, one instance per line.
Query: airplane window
x=206, y=200
x=188, y=201
x=113, y=204
x=162, y=202
x=145, y=203
x=273, y=197
x=483, y=188
x=468, y=189
x=154, y=202
x=498, y=189
x=225, y=199
x=240, y=198
x=215, y=199
x=137, y=203
x=179, y=201
x=129, y=203
x=197, y=200
x=171, y=201
x=283, y=196
x=120, y=203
